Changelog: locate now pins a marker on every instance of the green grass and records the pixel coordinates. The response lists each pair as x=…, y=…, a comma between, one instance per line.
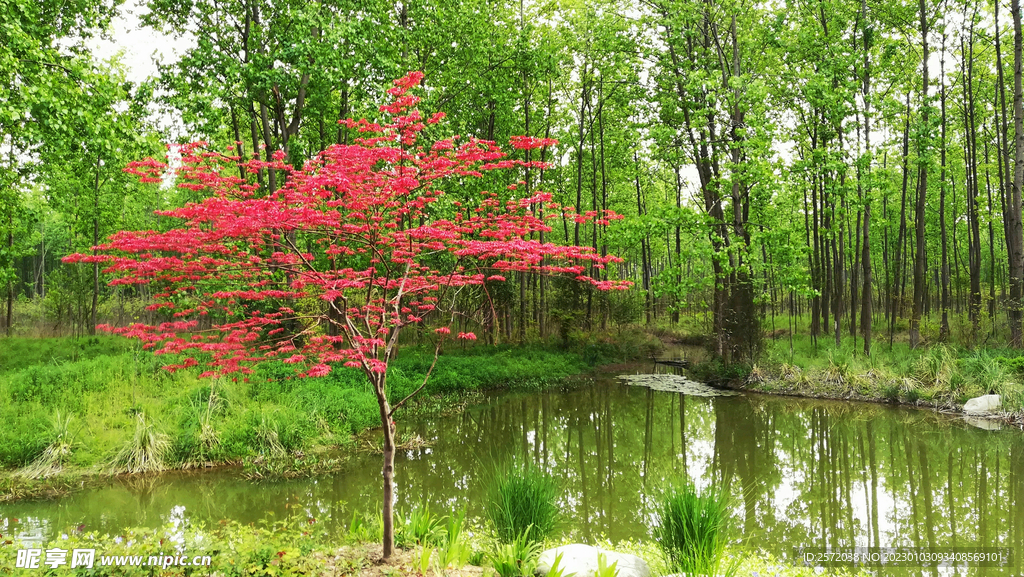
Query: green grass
x=520, y=503
x=303, y=545
x=19, y=353
x=692, y=526
x=103, y=383
x=941, y=374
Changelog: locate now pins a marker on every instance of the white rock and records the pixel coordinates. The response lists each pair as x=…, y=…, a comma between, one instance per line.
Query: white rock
x=983, y=404
x=582, y=560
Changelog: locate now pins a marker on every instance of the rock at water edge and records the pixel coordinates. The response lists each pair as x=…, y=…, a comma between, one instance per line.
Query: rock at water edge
x=983, y=404
x=582, y=560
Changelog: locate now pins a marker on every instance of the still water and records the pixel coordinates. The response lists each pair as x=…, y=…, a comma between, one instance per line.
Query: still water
x=801, y=472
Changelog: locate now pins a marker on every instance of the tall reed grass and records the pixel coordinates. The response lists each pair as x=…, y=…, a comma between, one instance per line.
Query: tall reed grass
x=692, y=528
x=520, y=502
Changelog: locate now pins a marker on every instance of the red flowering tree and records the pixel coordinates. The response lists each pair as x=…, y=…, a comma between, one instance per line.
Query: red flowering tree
x=366, y=230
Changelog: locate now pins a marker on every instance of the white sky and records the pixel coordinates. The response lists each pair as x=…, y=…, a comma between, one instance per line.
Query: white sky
x=140, y=47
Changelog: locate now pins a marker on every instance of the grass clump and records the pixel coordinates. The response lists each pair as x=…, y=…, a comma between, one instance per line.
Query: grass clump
x=692, y=529
x=454, y=550
x=421, y=526
x=59, y=445
x=144, y=452
x=521, y=503
x=517, y=557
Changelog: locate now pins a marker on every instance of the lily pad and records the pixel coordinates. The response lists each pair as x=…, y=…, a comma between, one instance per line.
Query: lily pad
x=676, y=384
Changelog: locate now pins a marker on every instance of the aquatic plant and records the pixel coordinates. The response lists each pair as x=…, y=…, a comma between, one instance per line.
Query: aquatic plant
x=521, y=502
x=692, y=527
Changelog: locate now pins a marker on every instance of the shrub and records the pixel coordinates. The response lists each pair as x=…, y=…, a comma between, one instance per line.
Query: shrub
x=521, y=503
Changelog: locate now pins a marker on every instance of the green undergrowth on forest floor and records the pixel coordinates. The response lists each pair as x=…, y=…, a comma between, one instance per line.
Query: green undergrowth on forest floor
x=940, y=375
x=113, y=409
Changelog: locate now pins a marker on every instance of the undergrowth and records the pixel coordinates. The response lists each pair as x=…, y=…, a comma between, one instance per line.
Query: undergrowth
x=132, y=416
x=939, y=374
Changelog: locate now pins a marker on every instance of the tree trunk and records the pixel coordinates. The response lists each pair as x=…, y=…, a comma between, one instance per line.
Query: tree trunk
x=920, y=260
x=1015, y=242
x=388, y=472
x=865, y=299
x=643, y=247
x=95, y=241
x=10, y=284
x=944, y=281
x=897, y=261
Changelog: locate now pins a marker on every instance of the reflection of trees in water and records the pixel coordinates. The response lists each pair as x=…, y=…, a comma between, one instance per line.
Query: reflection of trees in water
x=802, y=472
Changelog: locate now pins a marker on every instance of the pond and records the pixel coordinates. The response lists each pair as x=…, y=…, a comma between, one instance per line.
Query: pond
x=801, y=472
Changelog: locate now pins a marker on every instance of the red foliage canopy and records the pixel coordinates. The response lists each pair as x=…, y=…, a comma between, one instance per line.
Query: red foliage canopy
x=365, y=228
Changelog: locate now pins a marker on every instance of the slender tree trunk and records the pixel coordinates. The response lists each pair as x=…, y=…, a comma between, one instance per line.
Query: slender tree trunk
x=944, y=281
x=991, y=245
x=8, y=325
x=579, y=154
x=865, y=299
x=95, y=241
x=897, y=261
x=920, y=260
x=1015, y=242
x=643, y=246
x=388, y=471
x=971, y=166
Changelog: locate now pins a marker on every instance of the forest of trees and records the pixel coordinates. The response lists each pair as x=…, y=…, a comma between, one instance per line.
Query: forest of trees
x=845, y=168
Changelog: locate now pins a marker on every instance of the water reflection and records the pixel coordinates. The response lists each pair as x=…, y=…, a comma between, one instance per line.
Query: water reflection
x=801, y=472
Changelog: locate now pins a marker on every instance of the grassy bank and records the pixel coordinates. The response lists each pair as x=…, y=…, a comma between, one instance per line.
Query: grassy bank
x=940, y=375
x=302, y=545
x=102, y=406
